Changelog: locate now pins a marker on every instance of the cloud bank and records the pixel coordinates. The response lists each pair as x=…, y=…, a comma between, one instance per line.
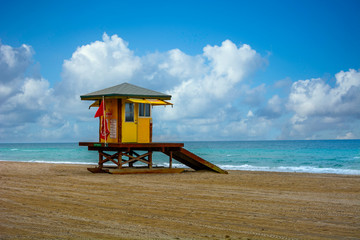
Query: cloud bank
x=26, y=100
x=214, y=95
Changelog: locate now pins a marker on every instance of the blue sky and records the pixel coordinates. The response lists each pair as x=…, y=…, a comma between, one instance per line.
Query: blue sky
x=299, y=78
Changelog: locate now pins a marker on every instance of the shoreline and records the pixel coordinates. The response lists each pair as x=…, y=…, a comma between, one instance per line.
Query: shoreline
x=62, y=201
x=222, y=167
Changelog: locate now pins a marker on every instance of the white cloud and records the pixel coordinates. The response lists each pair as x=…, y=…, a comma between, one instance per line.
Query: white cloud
x=314, y=97
x=14, y=61
x=13, y=65
x=27, y=104
x=250, y=114
x=230, y=62
x=273, y=109
x=5, y=91
x=35, y=94
x=274, y=104
x=247, y=128
x=98, y=65
x=253, y=96
x=23, y=99
x=348, y=135
x=182, y=66
x=331, y=107
x=92, y=67
x=228, y=66
x=49, y=120
x=212, y=82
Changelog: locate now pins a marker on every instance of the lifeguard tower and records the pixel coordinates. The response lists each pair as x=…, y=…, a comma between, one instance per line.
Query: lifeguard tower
x=125, y=128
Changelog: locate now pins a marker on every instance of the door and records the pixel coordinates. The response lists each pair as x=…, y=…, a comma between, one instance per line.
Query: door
x=129, y=129
x=144, y=120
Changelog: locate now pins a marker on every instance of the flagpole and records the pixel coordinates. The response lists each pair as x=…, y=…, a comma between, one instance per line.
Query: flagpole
x=104, y=122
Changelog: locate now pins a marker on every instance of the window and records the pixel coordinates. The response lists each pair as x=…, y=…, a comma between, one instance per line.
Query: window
x=144, y=110
x=129, y=112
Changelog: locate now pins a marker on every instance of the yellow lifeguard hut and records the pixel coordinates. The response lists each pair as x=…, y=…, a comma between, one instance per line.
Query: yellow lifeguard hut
x=127, y=110
x=125, y=126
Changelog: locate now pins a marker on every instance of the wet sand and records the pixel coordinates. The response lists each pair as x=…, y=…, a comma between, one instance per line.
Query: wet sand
x=55, y=201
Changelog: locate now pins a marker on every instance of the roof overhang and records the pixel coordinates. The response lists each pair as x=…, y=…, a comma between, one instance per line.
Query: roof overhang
x=151, y=101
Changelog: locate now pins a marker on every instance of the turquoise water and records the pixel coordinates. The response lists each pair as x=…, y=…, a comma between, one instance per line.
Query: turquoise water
x=330, y=156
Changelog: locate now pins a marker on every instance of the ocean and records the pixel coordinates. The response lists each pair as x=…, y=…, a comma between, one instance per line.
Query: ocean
x=318, y=156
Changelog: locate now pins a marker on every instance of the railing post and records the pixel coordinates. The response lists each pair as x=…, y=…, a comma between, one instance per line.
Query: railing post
x=150, y=159
x=170, y=159
x=100, y=159
x=120, y=159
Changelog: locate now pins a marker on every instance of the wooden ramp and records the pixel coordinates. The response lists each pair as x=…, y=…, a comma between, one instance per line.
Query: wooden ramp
x=193, y=161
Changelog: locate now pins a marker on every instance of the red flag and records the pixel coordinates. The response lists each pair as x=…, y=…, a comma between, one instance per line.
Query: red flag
x=100, y=111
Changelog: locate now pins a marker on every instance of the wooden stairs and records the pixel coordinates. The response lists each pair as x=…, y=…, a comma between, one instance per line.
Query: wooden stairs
x=193, y=161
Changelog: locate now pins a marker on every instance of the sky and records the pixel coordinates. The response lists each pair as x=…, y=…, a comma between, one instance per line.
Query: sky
x=236, y=70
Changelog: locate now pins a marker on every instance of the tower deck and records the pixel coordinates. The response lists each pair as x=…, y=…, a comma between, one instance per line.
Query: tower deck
x=125, y=156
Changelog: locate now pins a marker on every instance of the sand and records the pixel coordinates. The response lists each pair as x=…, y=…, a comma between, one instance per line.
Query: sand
x=55, y=201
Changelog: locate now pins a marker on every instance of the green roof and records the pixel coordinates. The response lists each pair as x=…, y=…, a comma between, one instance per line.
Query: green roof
x=125, y=90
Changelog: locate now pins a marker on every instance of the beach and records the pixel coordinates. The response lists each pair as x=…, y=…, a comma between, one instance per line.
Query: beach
x=65, y=201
